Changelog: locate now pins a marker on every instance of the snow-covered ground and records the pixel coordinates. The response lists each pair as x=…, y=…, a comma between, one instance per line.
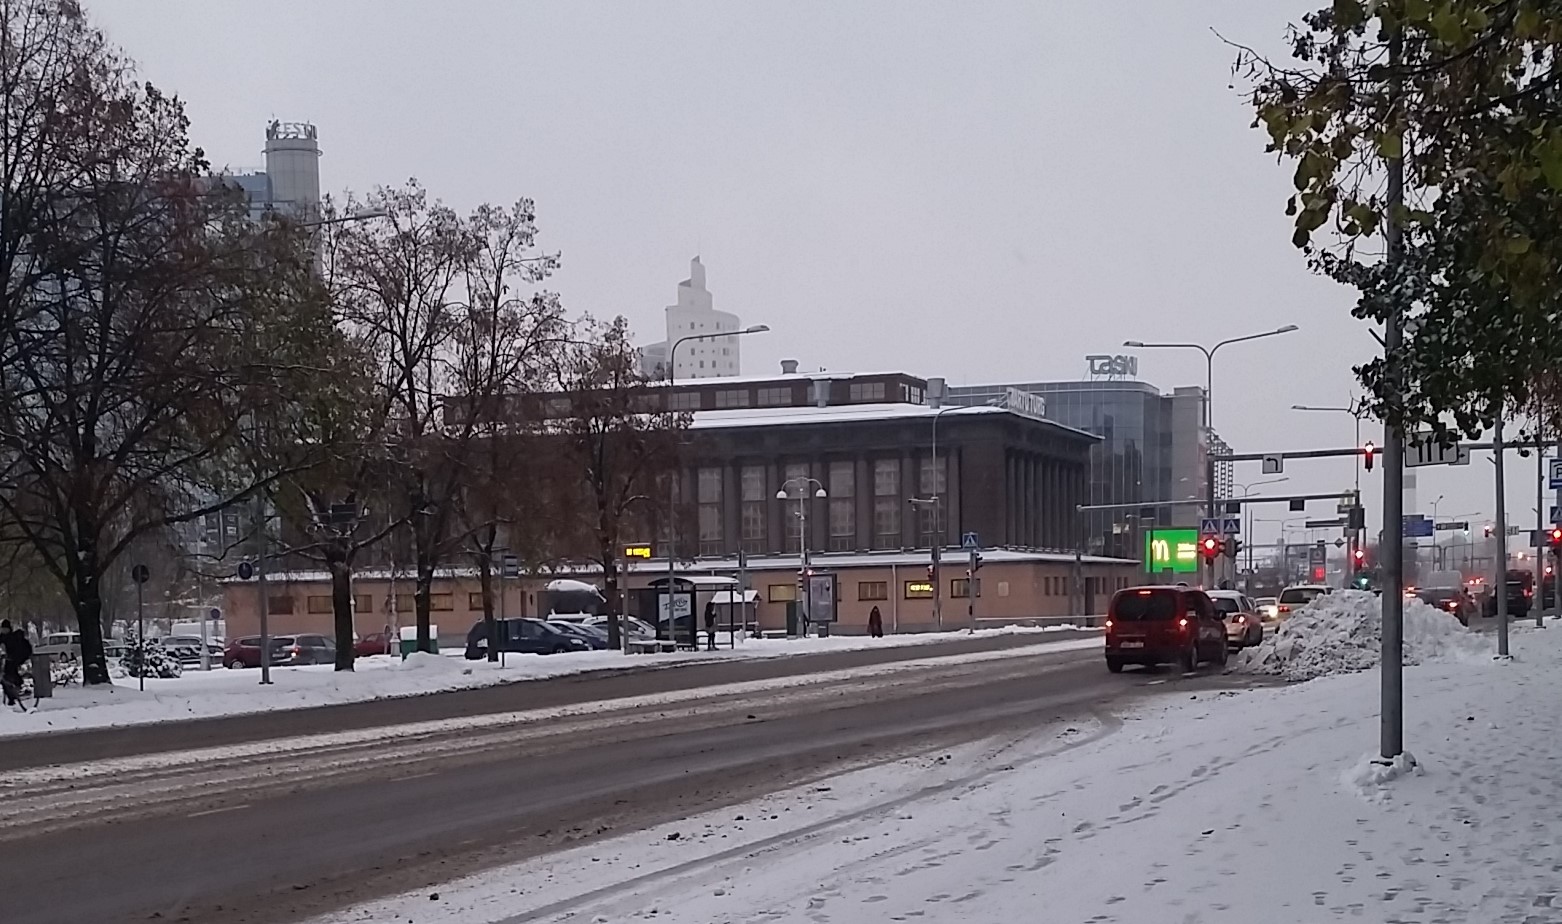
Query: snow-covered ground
x=1209, y=807
x=200, y=694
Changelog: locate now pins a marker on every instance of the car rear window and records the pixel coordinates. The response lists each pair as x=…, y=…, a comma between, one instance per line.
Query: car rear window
x=1299, y=594
x=1145, y=605
x=1225, y=605
x=1437, y=596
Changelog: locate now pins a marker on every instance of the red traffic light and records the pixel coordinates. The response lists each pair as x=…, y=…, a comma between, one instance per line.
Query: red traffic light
x=1210, y=546
x=1367, y=451
x=1360, y=556
x=1556, y=535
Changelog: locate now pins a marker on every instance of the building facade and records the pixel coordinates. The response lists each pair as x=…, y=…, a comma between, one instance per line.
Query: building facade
x=290, y=180
x=1153, y=448
x=695, y=313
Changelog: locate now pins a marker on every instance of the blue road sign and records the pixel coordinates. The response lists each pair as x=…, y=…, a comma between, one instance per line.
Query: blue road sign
x=1209, y=525
x=1231, y=526
x=1417, y=526
x=969, y=541
x=1556, y=473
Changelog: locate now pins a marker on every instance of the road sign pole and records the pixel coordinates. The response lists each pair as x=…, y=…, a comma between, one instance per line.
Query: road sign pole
x=140, y=640
x=1500, y=557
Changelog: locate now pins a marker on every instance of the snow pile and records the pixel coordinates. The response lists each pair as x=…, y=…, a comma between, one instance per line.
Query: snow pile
x=1342, y=632
x=1371, y=775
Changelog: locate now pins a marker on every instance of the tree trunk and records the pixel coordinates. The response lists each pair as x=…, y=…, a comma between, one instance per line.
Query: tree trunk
x=422, y=592
x=342, y=605
x=485, y=575
x=610, y=590
x=89, y=622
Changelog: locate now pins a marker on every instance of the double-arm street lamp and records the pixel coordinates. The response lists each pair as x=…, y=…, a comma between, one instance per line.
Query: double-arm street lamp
x=801, y=484
x=1209, y=387
x=1247, y=490
x=672, y=481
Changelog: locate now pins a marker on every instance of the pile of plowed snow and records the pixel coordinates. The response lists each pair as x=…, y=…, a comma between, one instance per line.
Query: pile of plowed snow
x=1342, y=632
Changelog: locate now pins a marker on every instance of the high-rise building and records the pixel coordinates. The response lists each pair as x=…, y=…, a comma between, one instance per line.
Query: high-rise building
x=291, y=179
x=695, y=313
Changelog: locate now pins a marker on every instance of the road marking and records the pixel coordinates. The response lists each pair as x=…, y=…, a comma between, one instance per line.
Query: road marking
x=217, y=811
x=415, y=776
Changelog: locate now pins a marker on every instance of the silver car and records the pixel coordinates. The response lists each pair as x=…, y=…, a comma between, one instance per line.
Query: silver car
x=1268, y=608
x=1244, y=628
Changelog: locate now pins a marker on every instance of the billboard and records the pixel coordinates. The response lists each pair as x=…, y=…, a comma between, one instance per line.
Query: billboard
x=1175, y=550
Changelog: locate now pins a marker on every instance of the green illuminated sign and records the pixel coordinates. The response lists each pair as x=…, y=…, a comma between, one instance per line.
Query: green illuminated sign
x=1175, y=550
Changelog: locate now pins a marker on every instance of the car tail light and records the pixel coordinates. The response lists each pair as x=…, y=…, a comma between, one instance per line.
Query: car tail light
x=1182, y=623
x=1284, y=608
x=1241, y=618
x=296, y=651
x=1109, y=625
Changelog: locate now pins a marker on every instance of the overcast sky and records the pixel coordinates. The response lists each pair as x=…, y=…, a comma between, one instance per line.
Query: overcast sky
x=985, y=191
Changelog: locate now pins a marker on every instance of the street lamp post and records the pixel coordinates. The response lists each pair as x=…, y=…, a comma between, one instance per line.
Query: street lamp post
x=802, y=483
x=672, y=481
x=1209, y=387
x=1247, y=490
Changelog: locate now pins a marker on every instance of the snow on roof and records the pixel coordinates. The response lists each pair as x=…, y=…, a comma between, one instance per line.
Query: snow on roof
x=849, y=413
x=729, y=597
x=800, y=376
x=567, y=585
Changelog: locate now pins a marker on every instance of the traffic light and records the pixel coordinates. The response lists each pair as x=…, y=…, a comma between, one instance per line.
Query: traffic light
x=1232, y=548
x=1555, y=537
x=930, y=572
x=1210, y=547
x=976, y=562
x=1358, y=559
x=1367, y=450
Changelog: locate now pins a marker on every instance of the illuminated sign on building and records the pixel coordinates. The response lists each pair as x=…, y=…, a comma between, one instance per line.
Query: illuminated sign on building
x=1175, y=550
x=1112, y=367
x=642, y=550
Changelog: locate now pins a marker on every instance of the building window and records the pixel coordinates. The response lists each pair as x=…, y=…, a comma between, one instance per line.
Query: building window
x=685, y=401
x=872, y=590
x=775, y=397
x=796, y=484
x=437, y=603
x=737, y=397
x=754, y=503
x=919, y=590
x=961, y=587
x=320, y=604
x=279, y=606
x=886, y=504
x=474, y=601
x=866, y=392
x=843, y=506
x=709, y=497
x=781, y=593
x=931, y=483
x=363, y=603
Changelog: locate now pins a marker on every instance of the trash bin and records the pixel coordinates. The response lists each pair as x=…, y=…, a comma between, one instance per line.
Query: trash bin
x=409, y=640
x=43, y=679
x=824, y=630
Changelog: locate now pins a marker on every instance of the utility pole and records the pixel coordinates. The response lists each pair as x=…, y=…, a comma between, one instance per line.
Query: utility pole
x=1500, y=557
x=1392, y=716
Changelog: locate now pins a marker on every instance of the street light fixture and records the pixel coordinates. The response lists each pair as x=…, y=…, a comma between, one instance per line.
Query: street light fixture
x=672, y=482
x=802, y=483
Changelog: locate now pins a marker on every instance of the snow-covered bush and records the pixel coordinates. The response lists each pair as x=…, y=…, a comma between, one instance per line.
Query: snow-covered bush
x=1342, y=632
x=147, y=657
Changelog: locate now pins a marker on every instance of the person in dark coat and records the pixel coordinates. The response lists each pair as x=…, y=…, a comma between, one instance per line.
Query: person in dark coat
x=15, y=650
x=875, y=623
x=710, y=626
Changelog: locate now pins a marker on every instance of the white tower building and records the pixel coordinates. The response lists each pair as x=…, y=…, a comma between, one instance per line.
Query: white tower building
x=695, y=314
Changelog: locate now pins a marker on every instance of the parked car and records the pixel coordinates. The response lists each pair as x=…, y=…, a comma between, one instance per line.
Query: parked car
x=1297, y=596
x=1453, y=599
x=1162, y=624
x=1244, y=629
x=523, y=636
x=309, y=649
x=245, y=652
x=634, y=628
x=377, y=644
x=597, y=638
x=1268, y=608
x=187, y=648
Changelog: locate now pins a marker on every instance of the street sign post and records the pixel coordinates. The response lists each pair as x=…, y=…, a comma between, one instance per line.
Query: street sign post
x=1554, y=477
x=1274, y=464
x=1417, y=526
x=140, y=574
x=969, y=541
x=1231, y=526
x=1209, y=525
x=1452, y=526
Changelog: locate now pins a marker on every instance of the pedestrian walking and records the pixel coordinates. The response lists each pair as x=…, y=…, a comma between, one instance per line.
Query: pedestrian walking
x=15, y=650
x=710, y=626
x=875, y=623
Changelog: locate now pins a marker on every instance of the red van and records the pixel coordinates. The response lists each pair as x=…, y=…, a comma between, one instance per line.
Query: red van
x=1161, y=625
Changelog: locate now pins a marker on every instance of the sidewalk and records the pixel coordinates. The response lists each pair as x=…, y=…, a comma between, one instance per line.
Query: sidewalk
x=1214, y=807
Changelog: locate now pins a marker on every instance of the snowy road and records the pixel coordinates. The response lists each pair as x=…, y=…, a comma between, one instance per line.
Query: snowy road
x=276, y=832
x=1215, y=807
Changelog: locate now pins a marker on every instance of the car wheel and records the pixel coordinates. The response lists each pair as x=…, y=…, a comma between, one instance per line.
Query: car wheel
x=1190, y=658
x=1221, y=656
x=235, y=664
x=1114, y=665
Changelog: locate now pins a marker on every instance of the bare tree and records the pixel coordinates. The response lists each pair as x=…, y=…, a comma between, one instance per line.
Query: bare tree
x=145, y=315
x=618, y=441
